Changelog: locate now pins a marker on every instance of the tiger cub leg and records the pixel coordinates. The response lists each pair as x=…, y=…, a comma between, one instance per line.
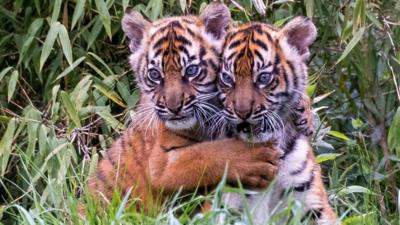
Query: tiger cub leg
x=316, y=198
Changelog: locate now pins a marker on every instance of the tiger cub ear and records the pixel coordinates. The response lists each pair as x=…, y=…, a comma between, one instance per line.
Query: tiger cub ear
x=216, y=19
x=300, y=33
x=134, y=25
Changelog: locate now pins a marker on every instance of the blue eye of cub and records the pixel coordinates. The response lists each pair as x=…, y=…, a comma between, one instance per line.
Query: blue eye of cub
x=226, y=78
x=154, y=75
x=192, y=70
x=264, y=78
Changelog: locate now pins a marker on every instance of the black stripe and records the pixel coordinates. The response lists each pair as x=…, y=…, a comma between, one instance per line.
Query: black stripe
x=289, y=145
x=160, y=41
x=306, y=185
x=231, y=55
x=301, y=169
x=191, y=32
x=184, y=50
x=213, y=65
x=313, y=214
x=183, y=40
x=257, y=28
x=258, y=55
x=176, y=24
x=235, y=44
x=260, y=44
x=158, y=52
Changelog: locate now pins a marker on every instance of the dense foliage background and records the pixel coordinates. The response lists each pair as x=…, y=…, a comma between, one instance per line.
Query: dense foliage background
x=66, y=91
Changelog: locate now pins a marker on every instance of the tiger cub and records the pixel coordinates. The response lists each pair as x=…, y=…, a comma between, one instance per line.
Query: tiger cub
x=176, y=61
x=262, y=83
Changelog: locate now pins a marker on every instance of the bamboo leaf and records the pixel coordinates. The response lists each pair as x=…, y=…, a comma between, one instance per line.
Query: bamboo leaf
x=115, y=124
x=394, y=133
x=6, y=146
x=70, y=68
x=65, y=43
x=326, y=157
x=355, y=189
x=182, y=3
x=31, y=34
x=78, y=12
x=12, y=84
x=4, y=72
x=338, y=135
x=309, y=8
x=353, y=42
x=56, y=11
x=49, y=43
x=71, y=110
x=104, y=16
x=111, y=95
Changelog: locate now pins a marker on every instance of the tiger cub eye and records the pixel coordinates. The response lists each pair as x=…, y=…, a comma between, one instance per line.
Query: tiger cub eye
x=192, y=71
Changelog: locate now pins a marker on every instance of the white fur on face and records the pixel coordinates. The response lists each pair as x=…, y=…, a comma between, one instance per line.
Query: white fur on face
x=183, y=124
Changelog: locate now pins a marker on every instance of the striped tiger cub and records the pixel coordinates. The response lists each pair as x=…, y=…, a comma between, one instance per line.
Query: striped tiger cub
x=262, y=83
x=176, y=61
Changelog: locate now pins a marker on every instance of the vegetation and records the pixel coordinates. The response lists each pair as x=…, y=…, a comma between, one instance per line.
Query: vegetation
x=66, y=91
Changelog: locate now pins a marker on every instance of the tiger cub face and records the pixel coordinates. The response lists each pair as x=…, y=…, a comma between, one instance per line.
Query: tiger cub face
x=264, y=76
x=176, y=61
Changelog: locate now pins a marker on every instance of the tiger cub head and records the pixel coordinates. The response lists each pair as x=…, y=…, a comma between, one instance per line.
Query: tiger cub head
x=264, y=76
x=176, y=62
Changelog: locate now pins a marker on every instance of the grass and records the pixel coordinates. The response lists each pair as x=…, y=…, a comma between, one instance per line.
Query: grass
x=66, y=92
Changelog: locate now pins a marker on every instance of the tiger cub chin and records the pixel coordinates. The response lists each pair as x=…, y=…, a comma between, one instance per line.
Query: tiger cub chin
x=262, y=84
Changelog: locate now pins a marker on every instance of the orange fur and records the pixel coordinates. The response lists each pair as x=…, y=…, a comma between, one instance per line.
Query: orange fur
x=158, y=165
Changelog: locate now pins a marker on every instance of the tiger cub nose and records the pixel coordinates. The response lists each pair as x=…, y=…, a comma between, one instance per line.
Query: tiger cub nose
x=174, y=106
x=243, y=112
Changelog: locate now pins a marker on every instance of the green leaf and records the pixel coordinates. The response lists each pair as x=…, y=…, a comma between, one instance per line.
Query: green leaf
x=338, y=134
x=6, y=146
x=104, y=16
x=4, y=72
x=56, y=11
x=30, y=36
x=65, y=43
x=182, y=3
x=357, y=123
x=394, y=133
x=70, y=68
x=49, y=43
x=111, y=95
x=156, y=8
x=358, y=15
x=353, y=42
x=78, y=12
x=71, y=110
x=309, y=8
x=354, y=189
x=115, y=124
x=94, y=33
x=326, y=157
x=12, y=84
